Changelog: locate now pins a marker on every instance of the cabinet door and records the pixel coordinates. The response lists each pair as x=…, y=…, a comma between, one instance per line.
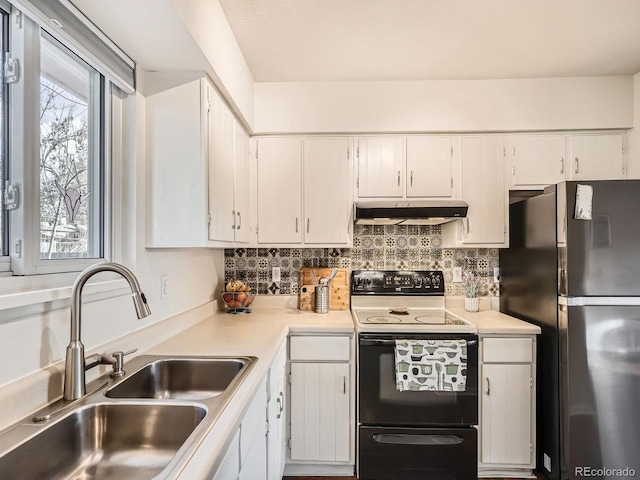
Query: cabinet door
x=221, y=169
x=483, y=189
x=176, y=144
x=253, y=440
x=506, y=414
x=536, y=160
x=429, y=167
x=320, y=412
x=279, y=190
x=229, y=469
x=327, y=205
x=242, y=188
x=276, y=416
x=597, y=157
x=380, y=166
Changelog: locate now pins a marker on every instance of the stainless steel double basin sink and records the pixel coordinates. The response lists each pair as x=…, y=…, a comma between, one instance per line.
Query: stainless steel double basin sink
x=145, y=425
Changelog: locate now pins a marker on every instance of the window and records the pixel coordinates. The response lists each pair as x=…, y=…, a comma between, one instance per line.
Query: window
x=4, y=230
x=56, y=122
x=71, y=154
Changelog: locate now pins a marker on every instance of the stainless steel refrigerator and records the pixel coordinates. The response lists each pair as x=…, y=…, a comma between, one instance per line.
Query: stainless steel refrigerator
x=579, y=280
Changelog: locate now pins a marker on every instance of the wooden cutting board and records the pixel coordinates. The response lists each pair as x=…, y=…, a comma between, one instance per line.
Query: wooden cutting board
x=339, y=290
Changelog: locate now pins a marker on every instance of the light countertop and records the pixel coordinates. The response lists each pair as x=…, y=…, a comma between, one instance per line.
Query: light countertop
x=260, y=334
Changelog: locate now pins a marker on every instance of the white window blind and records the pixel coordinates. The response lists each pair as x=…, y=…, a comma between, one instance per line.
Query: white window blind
x=69, y=25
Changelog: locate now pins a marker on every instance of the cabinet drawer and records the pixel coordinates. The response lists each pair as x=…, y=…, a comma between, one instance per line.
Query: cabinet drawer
x=319, y=348
x=507, y=350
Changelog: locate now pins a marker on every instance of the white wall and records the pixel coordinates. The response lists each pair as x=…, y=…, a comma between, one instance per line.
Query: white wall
x=633, y=138
x=444, y=106
x=35, y=341
x=211, y=31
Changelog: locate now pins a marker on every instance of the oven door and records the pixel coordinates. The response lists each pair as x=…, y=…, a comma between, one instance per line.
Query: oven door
x=380, y=402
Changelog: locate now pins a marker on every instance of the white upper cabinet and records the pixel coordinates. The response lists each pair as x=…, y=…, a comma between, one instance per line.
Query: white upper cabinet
x=535, y=161
x=380, y=167
x=597, y=157
x=429, y=171
x=279, y=190
x=198, y=168
x=176, y=141
x=411, y=167
x=229, y=197
x=327, y=192
x=304, y=191
x=221, y=169
x=242, y=186
x=483, y=188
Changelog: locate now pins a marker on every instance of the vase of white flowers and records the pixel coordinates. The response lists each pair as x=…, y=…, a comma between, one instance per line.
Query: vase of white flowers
x=470, y=282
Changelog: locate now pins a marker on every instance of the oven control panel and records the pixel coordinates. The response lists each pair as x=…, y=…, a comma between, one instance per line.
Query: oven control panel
x=397, y=282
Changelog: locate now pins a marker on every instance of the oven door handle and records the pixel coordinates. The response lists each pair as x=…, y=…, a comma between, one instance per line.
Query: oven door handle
x=380, y=341
x=409, y=439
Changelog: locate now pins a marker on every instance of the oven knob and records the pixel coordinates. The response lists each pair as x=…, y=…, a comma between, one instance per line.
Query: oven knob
x=368, y=281
x=427, y=282
x=436, y=281
x=417, y=282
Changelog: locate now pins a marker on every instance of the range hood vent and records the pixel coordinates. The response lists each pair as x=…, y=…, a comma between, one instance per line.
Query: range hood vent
x=434, y=212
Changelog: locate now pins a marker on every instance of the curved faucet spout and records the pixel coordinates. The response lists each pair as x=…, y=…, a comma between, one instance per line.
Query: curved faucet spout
x=74, y=377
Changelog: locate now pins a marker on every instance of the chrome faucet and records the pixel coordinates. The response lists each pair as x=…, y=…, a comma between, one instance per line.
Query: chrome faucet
x=74, y=369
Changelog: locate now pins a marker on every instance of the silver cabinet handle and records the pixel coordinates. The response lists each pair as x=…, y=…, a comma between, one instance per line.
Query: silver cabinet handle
x=488, y=387
x=398, y=177
x=411, y=179
x=577, y=170
x=239, y=220
x=308, y=225
x=562, y=165
x=296, y=224
x=233, y=214
x=344, y=384
x=279, y=401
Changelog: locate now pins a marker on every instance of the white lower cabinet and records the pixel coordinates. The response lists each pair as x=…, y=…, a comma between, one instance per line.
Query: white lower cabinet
x=253, y=441
x=246, y=457
x=321, y=406
x=229, y=469
x=507, y=406
x=277, y=416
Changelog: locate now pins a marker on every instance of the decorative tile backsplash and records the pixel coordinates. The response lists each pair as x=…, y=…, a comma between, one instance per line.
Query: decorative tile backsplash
x=375, y=247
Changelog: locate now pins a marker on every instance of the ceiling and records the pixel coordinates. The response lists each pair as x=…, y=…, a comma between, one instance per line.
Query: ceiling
x=336, y=40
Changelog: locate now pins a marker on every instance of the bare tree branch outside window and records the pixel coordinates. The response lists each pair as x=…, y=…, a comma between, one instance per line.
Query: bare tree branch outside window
x=64, y=163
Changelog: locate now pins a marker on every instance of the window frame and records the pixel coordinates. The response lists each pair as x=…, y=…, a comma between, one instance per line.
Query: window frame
x=5, y=261
x=24, y=230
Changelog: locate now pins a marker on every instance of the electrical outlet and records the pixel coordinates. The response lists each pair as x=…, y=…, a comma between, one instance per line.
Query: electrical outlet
x=457, y=274
x=496, y=274
x=164, y=287
x=275, y=274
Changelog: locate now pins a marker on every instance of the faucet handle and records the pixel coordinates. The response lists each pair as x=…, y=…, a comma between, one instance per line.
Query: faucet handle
x=118, y=364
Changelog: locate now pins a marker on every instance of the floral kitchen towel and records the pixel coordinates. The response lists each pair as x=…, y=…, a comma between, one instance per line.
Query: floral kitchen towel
x=439, y=365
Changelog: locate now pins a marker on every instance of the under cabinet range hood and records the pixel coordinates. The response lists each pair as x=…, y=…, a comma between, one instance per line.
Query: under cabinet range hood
x=432, y=212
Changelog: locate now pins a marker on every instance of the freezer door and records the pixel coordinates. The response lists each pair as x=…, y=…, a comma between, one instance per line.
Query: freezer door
x=600, y=388
x=600, y=256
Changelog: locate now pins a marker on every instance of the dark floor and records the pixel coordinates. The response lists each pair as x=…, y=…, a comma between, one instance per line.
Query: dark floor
x=354, y=478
